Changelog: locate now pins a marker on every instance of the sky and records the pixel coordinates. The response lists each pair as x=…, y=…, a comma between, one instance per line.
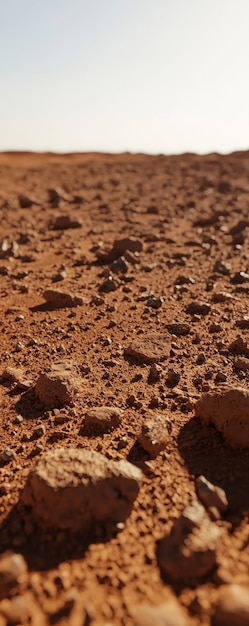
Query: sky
x=154, y=76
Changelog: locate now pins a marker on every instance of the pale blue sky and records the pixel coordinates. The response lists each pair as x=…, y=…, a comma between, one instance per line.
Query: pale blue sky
x=141, y=75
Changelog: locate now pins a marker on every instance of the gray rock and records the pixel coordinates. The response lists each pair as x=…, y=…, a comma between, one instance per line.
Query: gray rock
x=74, y=489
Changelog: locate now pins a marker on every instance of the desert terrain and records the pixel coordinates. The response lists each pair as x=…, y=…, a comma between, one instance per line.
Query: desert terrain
x=124, y=431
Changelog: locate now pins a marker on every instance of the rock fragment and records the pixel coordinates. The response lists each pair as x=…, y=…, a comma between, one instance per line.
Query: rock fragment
x=57, y=194
x=104, y=418
x=16, y=375
x=189, y=551
x=169, y=613
x=149, y=348
x=232, y=606
x=241, y=363
x=211, y=495
x=61, y=299
x=198, y=308
x=57, y=385
x=128, y=243
x=74, y=489
x=155, y=434
x=13, y=573
x=179, y=328
x=64, y=222
x=228, y=410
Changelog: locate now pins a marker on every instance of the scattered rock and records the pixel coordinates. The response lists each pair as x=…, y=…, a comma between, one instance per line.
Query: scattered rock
x=7, y=455
x=169, y=613
x=109, y=284
x=240, y=277
x=61, y=299
x=155, y=434
x=222, y=267
x=119, y=266
x=232, y=606
x=26, y=201
x=154, y=303
x=189, y=552
x=13, y=573
x=104, y=418
x=73, y=489
x=64, y=222
x=241, y=363
x=15, y=611
x=222, y=296
x=173, y=378
x=56, y=195
x=149, y=348
x=211, y=495
x=154, y=373
x=228, y=410
x=243, y=322
x=57, y=385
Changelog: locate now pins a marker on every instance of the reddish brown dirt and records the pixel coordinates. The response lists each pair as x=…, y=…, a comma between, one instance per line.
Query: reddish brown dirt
x=185, y=210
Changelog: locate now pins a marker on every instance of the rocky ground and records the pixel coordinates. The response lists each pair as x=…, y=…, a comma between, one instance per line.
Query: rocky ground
x=124, y=434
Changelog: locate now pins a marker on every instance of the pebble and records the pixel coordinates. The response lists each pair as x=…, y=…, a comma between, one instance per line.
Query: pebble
x=211, y=495
x=154, y=373
x=155, y=434
x=73, y=489
x=13, y=573
x=241, y=363
x=57, y=194
x=16, y=375
x=62, y=299
x=228, y=410
x=154, y=303
x=57, y=384
x=222, y=296
x=173, y=378
x=15, y=611
x=104, y=418
x=149, y=348
x=179, y=328
x=64, y=222
x=170, y=613
x=232, y=606
x=128, y=243
x=109, y=284
x=7, y=455
x=198, y=308
x=188, y=554
x=222, y=267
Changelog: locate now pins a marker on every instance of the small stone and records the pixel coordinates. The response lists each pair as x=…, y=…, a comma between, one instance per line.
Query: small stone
x=56, y=195
x=57, y=385
x=173, y=378
x=128, y=243
x=104, y=418
x=228, y=410
x=149, y=348
x=239, y=278
x=109, y=284
x=170, y=613
x=64, y=222
x=39, y=432
x=222, y=296
x=16, y=375
x=221, y=377
x=13, y=573
x=73, y=489
x=243, y=322
x=232, y=606
x=198, y=308
x=26, y=202
x=211, y=495
x=215, y=328
x=179, y=328
x=61, y=299
x=154, y=373
x=15, y=611
x=119, y=266
x=155, y=434
x=241, y=363
x=187, y=555
x=154, y=303
x=222, y=267
x=7, y=455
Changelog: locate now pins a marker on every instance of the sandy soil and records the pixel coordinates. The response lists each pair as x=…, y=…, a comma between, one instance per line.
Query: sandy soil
x=189, y=219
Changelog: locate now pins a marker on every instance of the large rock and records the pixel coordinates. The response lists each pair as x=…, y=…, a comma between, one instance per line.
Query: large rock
x=232, y=606
x=149, y=348
x=74, y=489
x=228, y=410
x=57, y=385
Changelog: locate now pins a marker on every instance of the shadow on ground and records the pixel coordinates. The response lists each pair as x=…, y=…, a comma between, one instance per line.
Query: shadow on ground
x=205, y=452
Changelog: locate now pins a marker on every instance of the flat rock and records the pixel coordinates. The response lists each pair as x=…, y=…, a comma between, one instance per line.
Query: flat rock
x=232, y=606
x=211, y=495
x=179, y=328
x=228, y=410
x=155, y=434
x=127, y=243
x=62, y=299
x=13, y=573
x=189, y=551
x=149, y=348
x=104, y=418
x=58, y=384
x=169, y=613
x=198, y=308
x=73, y=489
